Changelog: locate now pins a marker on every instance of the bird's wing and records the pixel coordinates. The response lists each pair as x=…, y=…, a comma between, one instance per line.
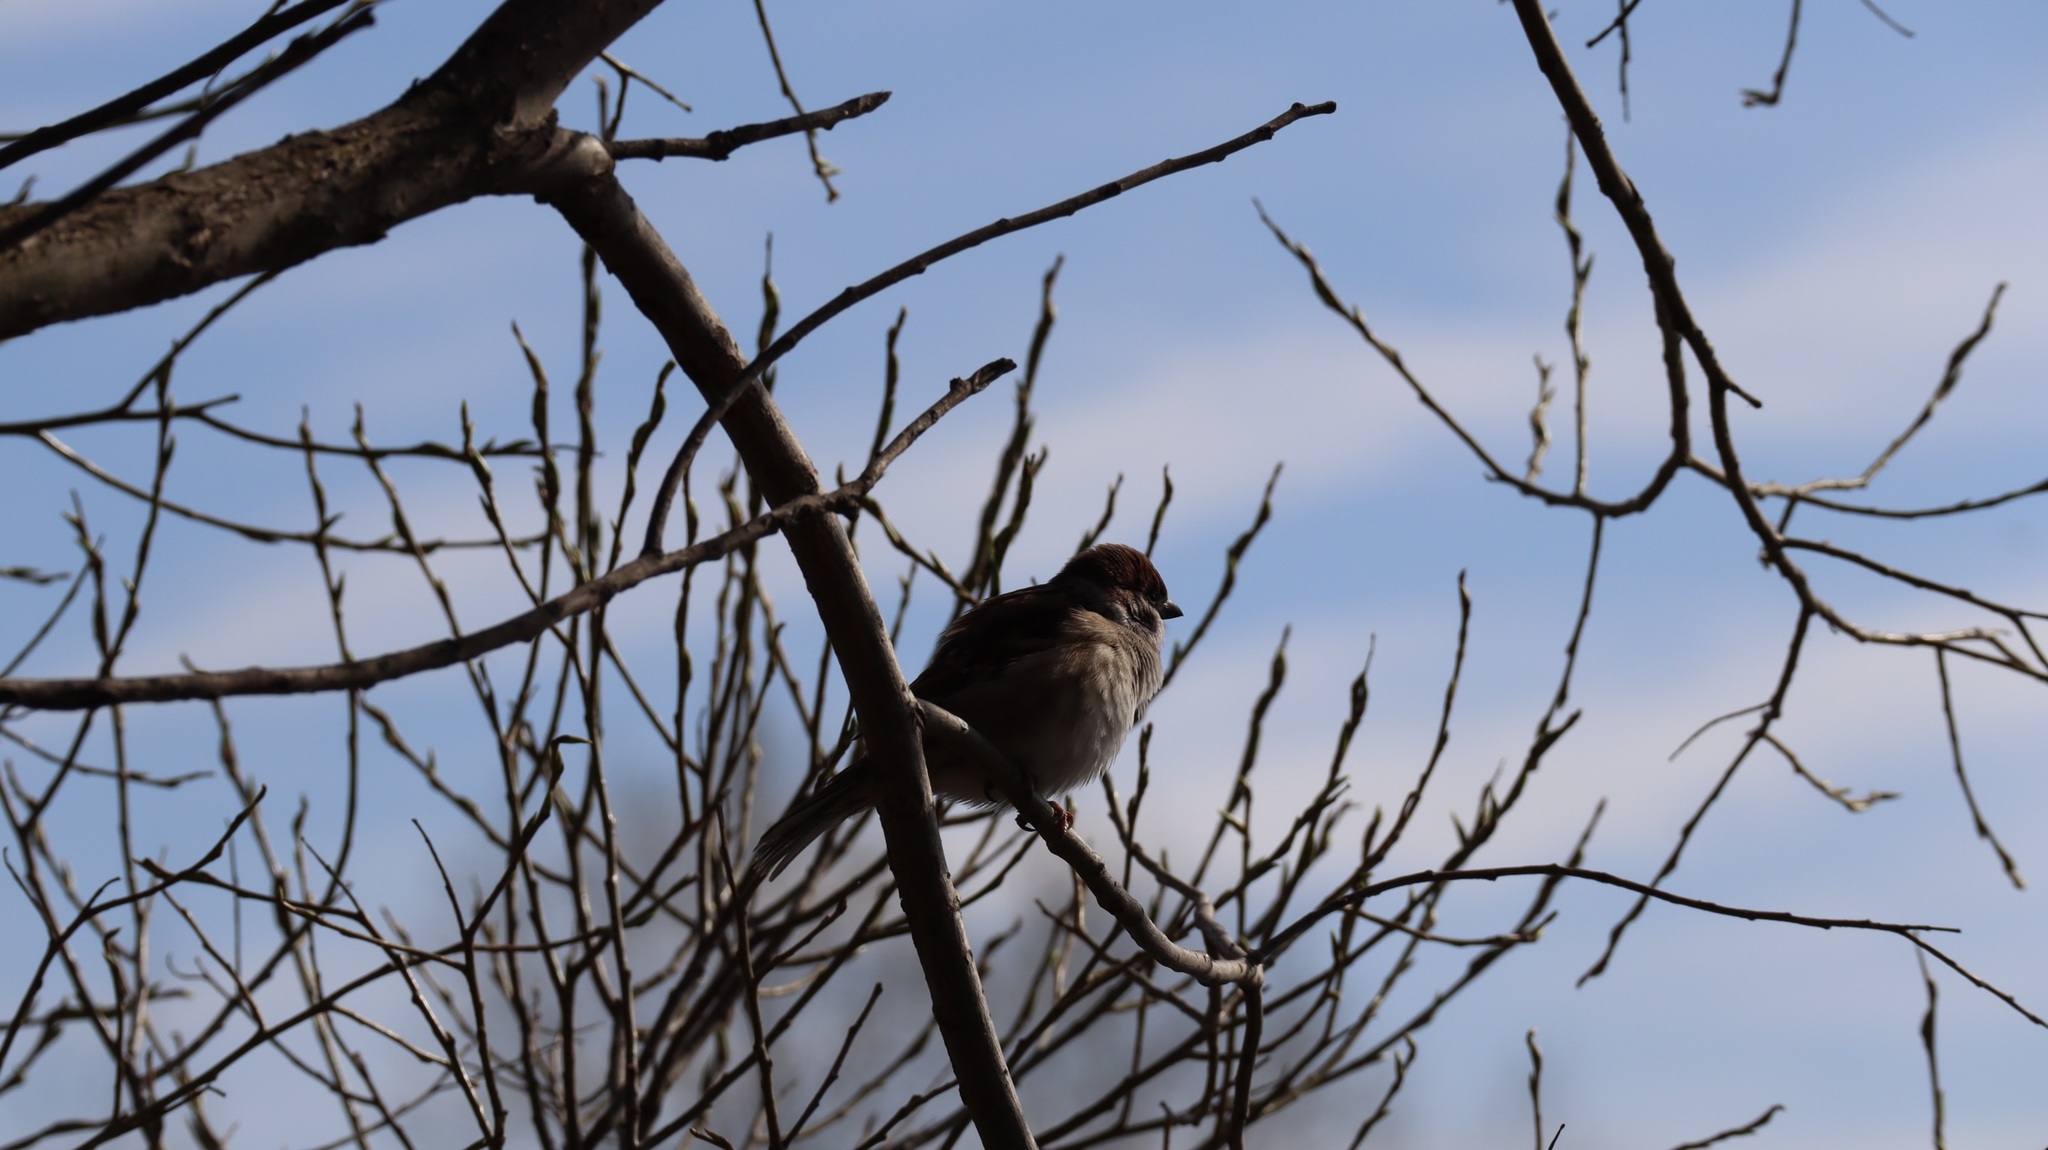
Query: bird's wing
x=988, y=642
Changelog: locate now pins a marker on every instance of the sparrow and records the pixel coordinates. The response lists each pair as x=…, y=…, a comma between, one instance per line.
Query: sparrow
x=1053, y=676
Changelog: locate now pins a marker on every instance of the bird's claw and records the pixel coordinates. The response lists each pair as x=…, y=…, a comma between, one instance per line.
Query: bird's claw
x=1060, y=817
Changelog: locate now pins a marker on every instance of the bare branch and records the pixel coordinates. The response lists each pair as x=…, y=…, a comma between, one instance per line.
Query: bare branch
x=1753, y=97
x=15, y=231
x=1348, y=899
x=923, y=262
x=1933, y=1063
x=721, y=145
x=73, y=694
x=606, y=217
x=123, y=109
x=481, y=124
x=1742, y=1131
x=819, y=166
x=1955, y=744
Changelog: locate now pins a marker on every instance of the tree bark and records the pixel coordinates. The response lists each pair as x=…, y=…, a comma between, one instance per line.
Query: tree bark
x=483, y=123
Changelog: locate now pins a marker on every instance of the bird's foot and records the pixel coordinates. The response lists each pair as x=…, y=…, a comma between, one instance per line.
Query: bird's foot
x=1060, y=816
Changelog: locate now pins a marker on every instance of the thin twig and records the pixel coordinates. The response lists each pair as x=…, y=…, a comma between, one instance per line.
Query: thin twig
x=924, y=261
x=299, y=52
x=722, y=144
x=122, y=109
x=73, y=694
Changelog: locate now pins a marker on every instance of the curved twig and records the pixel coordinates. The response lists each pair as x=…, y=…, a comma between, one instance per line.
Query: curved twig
x=1673, y=461
x=922, y=262
x=1238, y=964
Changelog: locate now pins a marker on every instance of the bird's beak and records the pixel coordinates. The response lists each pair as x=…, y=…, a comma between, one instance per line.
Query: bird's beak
x=1170, y=610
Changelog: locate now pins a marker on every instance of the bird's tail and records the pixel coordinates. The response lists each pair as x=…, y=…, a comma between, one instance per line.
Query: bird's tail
x=847, y=794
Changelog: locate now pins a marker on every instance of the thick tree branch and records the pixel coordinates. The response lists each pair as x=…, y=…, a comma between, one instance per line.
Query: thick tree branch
x=521, y=57
x=608, y=220
x=482, y=124
x=301, y=51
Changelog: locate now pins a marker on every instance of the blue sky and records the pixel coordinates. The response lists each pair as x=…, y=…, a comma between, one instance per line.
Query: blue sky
x=1834, y=248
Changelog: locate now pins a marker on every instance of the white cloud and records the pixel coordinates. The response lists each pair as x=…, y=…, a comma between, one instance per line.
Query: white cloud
x=1850, y=323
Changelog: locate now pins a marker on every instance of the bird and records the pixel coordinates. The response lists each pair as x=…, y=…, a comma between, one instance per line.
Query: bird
x=1054, y=676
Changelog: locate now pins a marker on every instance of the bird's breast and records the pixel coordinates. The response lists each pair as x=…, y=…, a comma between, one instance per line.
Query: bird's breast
x=1061, y=714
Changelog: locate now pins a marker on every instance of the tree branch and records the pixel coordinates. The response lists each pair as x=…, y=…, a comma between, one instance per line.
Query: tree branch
x=1233, y=966
x=75, y=694
x=722, y=144
x=123, y=109
x=608, y=220
x=300, y=51
x=923, y=261
x=482, y=124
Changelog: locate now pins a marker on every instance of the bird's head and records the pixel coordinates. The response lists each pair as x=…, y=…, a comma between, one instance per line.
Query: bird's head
x=1120, y=583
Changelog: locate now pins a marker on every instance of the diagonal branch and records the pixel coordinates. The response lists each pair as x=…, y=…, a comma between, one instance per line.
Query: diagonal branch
x=923, y=261
x=1642, y=500
x=74, y=694
x=1226, y=961
x=1678, y=318
x=598, y=207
